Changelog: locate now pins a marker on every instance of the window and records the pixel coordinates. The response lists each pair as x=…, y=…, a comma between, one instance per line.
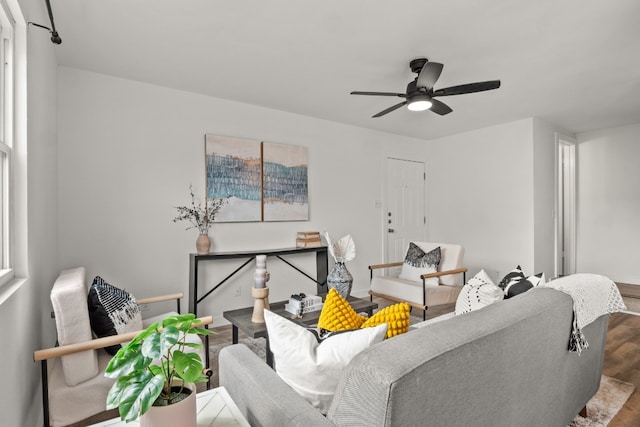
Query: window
x=6, y=139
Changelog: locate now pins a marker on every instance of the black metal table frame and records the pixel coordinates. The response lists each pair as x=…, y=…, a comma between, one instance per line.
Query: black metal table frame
x=322, y=268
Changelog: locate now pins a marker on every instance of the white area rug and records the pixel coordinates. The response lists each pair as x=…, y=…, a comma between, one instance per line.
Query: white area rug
x=606, y=403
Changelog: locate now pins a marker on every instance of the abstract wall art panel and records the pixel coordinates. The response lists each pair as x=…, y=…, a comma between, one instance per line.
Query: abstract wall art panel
x=234, y=170
x=285, y=182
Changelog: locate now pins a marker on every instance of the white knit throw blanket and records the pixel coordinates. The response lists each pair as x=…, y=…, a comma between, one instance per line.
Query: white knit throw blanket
x=593, y=295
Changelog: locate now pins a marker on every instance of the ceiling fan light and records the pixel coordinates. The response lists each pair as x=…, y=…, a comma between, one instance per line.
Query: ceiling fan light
x=420, y=103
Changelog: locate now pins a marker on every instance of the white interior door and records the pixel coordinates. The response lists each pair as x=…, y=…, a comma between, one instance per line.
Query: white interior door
x=566, y=206
x=404, y=217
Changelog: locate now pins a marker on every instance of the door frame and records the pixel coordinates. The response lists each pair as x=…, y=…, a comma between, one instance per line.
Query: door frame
x=563, y=140
x=385, y=205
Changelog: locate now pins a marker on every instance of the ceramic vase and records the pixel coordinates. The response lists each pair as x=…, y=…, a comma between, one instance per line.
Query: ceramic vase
x=340, y=279
x=203, y=244
x=181, y=414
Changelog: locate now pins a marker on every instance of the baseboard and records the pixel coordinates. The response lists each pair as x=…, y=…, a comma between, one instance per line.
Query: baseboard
x=631, y=297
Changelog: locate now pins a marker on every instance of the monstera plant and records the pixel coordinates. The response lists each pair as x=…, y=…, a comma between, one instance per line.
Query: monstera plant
x=147, y=368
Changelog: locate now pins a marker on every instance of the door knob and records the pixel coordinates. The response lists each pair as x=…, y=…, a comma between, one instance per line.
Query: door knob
x=391, y=230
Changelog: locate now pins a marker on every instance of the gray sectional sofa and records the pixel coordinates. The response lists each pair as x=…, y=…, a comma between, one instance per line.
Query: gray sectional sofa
x=504, y=365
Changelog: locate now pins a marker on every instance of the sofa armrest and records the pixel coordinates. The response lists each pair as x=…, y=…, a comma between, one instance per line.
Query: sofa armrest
x=433, y=320
x=260, y=394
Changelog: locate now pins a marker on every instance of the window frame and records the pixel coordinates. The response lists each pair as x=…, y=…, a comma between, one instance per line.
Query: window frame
x=7, y=109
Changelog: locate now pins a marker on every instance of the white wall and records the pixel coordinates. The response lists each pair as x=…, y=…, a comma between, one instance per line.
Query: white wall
x=480, y=186
x=24, y=307
x=128, y=152
x=492, y=191
x=608, y=225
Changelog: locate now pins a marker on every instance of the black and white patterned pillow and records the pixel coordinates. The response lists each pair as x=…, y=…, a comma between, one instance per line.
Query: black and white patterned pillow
x=112, y=311
x=518, y=287
x=514, y=275
x=417, y=262
x=480, y=291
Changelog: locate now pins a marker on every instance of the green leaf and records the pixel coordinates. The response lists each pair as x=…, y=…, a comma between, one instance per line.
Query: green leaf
x=134, y=394
x=152, y=346
x=200, y=331
x=188, y=365
x=127, y=360
x=169, y=337
x=192, y=345
x=178, y=318
x=157, y=369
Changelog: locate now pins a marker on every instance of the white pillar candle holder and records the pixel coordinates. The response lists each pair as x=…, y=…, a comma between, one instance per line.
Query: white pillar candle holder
x=260, y=292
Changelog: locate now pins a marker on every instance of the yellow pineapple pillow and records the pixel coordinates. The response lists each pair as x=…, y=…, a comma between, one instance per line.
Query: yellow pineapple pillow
x=395, y=316
x=338, y=315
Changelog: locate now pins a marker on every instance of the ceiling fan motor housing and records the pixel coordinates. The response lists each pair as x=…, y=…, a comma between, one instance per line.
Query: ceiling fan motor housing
x=417, y=64
x=412, y=88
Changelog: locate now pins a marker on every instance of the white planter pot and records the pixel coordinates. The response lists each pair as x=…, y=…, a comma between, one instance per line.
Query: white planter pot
x=181, y=414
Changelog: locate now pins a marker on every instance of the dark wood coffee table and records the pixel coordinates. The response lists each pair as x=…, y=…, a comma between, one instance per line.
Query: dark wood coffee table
x=241, y=319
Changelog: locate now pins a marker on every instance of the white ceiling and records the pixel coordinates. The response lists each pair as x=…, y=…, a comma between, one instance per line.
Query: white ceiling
x=573, y=63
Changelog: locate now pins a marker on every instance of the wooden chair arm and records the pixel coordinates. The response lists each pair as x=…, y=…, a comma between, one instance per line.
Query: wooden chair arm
x=391, y=264
x=160, y=298
x=444, y=273
x=96, y=344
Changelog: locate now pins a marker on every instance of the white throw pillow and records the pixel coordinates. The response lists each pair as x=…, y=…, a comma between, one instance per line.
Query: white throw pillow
x=313, y=369
x=480, y=291
x=417, y=262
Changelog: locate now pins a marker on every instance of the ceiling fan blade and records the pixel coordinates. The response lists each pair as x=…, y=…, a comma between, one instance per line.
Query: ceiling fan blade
x=390, y=109
x=429, y=75
x=401, y=95
x=440, y=107
x=468, y=88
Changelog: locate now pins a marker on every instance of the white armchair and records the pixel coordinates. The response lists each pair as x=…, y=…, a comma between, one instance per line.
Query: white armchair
x=73, y=385
x=420, y=294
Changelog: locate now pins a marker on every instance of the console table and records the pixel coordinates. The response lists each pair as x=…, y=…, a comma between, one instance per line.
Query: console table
x=322, y=268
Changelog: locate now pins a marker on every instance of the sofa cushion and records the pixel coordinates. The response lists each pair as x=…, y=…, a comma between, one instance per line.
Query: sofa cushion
x=408, y=290
x=112, y=311
x=418, y=262
x=479, y=292
x=311, y=368
x=69, y=301
x=451, y=257
x=396, y=316
x=516, y=287
x=72, y=404
x=514, y=275
x=337, y=314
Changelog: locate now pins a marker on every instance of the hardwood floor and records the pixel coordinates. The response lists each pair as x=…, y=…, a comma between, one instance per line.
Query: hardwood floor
x=622, y=361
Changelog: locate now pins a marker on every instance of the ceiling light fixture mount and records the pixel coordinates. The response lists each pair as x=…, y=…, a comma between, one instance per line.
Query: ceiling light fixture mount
x=55, y=37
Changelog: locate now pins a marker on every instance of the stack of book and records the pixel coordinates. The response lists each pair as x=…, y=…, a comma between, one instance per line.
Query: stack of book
x=308, y=239
x=301, y=304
